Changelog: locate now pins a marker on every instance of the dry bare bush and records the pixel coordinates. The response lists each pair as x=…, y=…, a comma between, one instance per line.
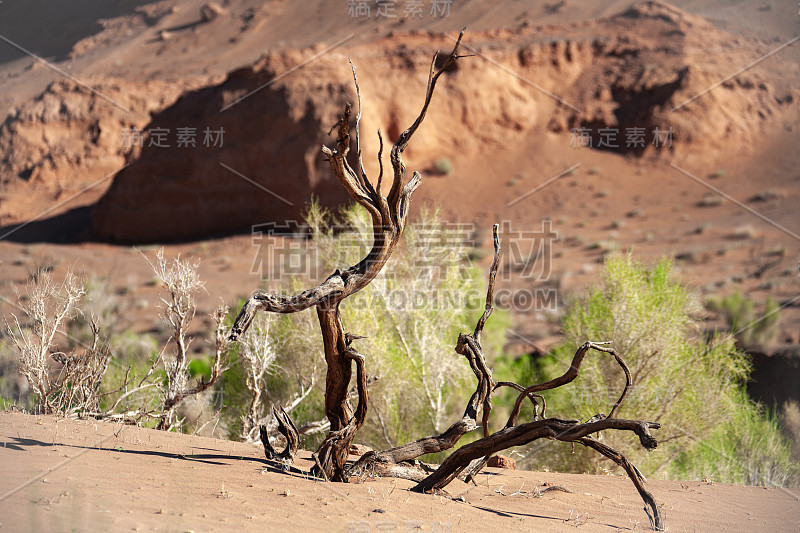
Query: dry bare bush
x=67, y=383
x=182, y=282
x=70, y=383
x=257, y=354
x=79, y=379
x=46, y=306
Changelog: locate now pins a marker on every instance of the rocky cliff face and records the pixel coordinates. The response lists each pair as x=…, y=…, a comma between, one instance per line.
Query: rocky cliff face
x=70, y=137
x=204, y=171
x=651, y=69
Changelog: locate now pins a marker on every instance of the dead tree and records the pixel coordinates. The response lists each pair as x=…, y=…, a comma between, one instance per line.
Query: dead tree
x=398, y=462
x=389, y=216
x=468, y=460
x=289, y=431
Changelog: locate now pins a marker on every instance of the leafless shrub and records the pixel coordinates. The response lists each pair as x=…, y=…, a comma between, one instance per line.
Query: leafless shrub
x=182, y=282
x=78, y=383
x=46, y=306
x=67, y=383
x=257, y=352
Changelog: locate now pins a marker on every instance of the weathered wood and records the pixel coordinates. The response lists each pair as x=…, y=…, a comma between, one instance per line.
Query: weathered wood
x=472, y=457
x=336, y=446
x=569, y=376
x=638, y=480
x=554, y=428
x=286, y=428
x=389, y=216
x=388, y=462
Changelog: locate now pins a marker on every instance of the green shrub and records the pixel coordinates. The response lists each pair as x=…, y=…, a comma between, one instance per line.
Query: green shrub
x=746, y=324
x=692, y=386
x=443, y=166
x=747, y=448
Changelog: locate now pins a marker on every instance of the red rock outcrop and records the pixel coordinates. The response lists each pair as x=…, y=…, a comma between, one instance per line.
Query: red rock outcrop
x=651, y=67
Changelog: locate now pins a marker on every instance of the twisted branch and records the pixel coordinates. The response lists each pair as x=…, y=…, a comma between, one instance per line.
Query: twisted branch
x=394, y=462
x=389, y=216
x=286, y=428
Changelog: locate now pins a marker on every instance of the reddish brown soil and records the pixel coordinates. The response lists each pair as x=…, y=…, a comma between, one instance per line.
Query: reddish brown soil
x=506, y=144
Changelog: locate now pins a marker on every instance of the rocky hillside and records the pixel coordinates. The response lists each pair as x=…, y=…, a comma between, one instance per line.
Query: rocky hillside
x=623, y=84
x=627, y=84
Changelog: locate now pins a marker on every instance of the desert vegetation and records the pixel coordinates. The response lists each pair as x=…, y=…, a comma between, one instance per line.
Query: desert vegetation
x=633, y=358
x=692, y=384
x=713, y=431
x=74, y=383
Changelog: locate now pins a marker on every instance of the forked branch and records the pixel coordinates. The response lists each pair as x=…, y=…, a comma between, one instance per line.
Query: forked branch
x=289, y=431
x=475, y=454
x=396, y=462
x=471, y=458
x=389, y=215
x=568, y=377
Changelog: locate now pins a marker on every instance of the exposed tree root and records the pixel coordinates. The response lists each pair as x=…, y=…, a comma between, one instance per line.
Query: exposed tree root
x=286, y=428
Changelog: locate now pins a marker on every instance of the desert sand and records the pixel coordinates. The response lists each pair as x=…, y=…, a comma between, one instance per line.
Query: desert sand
x=64, y=475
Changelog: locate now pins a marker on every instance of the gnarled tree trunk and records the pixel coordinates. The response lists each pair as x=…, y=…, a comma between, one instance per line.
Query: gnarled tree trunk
x=389, y=215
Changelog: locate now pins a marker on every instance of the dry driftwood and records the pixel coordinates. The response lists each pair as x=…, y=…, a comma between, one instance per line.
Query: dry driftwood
x=476, y=453
x=396, y=462
x=389, y=216
x=471, y=458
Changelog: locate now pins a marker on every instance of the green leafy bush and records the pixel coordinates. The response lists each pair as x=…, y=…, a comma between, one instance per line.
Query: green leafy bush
x=748, y=448
x=748, y=326
x=692, y=386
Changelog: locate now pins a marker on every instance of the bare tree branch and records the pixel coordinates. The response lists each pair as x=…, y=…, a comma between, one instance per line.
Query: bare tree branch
x=389, y=216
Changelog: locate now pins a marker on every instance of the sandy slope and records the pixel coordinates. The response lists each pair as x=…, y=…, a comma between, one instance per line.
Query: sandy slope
x=92, y=476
